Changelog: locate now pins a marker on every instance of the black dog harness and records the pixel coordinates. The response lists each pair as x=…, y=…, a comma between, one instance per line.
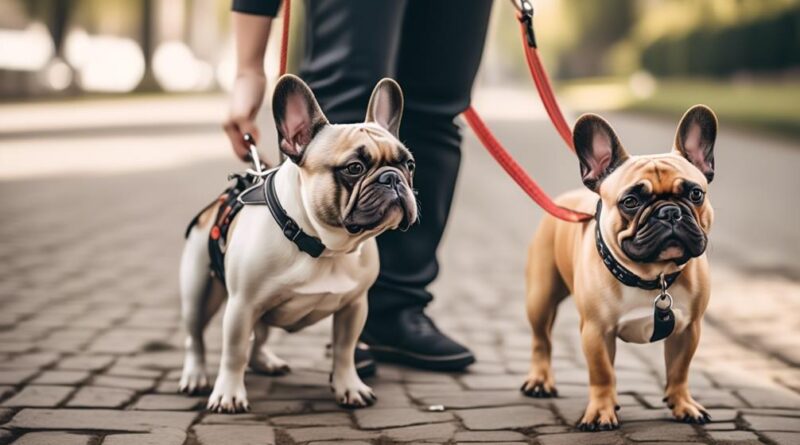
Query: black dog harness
x=248, y=190
x=663, y=317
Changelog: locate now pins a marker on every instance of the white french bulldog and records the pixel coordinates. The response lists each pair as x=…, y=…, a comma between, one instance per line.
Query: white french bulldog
x=342, y=185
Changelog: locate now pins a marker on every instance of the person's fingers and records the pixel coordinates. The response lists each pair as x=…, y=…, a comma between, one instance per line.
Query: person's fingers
x=237, y=140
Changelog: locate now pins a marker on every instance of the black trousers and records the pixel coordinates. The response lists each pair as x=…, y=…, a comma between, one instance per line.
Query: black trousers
x=433, y=49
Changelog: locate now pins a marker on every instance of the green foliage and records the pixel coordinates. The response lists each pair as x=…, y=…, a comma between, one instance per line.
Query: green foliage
x=765, y=44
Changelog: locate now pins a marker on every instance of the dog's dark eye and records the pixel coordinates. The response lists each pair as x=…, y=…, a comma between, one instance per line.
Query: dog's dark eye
x=696, y=195
x=354, y=168
x=411, y=165
x=630, y=202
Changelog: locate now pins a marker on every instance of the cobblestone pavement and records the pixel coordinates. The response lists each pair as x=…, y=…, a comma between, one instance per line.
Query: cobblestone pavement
x=90, y=341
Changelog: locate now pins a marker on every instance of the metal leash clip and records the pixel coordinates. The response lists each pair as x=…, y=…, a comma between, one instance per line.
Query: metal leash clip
x=525, y=15
x=259, y=166
x=663, y=295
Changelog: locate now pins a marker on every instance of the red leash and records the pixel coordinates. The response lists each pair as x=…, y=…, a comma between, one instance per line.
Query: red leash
x=498, y=152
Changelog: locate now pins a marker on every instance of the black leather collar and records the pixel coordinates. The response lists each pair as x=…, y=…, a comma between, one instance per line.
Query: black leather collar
x=619, y=271
x=264, y=194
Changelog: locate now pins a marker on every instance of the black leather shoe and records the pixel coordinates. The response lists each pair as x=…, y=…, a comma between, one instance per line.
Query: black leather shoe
x=411, y=338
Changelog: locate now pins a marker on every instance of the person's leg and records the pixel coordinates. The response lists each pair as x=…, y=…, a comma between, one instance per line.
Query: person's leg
x=349, y=46
x=439, y=55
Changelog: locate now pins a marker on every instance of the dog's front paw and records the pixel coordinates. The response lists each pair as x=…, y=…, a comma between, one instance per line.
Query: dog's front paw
x=265, y=362
x=194, y=380
x=600, y=415
x=539, y=384
x=351, y=392
x=686, y=409
x=229, y=396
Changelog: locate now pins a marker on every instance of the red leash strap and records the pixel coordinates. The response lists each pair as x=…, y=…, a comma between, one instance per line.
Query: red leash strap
x=287, y=20
x=542, y=82
x=517, y=173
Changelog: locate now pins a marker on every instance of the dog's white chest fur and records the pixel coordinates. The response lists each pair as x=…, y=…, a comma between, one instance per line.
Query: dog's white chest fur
x=635, y=320
x=290, y=288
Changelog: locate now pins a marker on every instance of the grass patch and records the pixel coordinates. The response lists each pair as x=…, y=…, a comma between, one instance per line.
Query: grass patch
x=767, y=105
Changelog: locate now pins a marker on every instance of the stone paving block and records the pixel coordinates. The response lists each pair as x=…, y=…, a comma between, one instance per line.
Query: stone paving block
x=441, y=432
x=6, y=391
x=506, y=417
x=643, y=431
x=164, y=436
x=553, y=429
x=60, y=377
x=771, y=412
x=241, y=434
x=737, y=437
x=33, y=360
x=394, y=417
x=770, y=398
x=100, y=419
x=600, y=438
x=53, y=438
x=510, y=382
x=719, y=426
x=488, y=436
x=99, y=397
x=321, y=419
x=233, y=419
x=5, y=436
x=129, y=371
x=39, y=396
x=6, y=414
x=124, y=382
x=158, y=402
x=86, y=362
x=16, y=376
x=337, y=442
x=772, y=423
x=329, y=433
x=479, y=399
x=278, y=407
x=783, y=438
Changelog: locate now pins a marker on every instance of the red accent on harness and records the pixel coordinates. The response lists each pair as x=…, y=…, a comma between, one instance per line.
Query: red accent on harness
x=215, y=233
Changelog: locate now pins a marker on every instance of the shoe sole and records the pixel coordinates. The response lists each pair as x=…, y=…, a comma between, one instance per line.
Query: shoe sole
x=453, y=362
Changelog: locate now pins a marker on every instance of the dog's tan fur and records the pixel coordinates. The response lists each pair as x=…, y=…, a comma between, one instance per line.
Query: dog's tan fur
x=563, y=260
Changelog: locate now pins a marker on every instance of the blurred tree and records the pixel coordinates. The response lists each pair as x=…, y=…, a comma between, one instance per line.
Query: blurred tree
x=597, y=26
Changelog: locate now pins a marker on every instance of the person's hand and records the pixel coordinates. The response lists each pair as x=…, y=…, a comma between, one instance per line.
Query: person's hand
x=246, y=96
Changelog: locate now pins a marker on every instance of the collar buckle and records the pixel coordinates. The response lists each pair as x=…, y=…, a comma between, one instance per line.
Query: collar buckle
x=291, y=230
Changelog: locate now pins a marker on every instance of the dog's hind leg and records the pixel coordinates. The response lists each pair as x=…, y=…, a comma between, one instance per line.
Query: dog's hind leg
x=545, y=290
x=201, y=297
x=262, y=360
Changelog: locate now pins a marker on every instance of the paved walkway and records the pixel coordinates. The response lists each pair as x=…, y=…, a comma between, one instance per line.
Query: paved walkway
x=90, y=343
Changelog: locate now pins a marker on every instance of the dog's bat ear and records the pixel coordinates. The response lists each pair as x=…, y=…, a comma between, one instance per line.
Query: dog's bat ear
x=598, y=149
x=386, y=105
x=695, y=138
x=298, y=116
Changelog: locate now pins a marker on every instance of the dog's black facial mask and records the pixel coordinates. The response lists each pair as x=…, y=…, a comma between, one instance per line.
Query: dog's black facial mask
x=666, y=228
x=380, y=183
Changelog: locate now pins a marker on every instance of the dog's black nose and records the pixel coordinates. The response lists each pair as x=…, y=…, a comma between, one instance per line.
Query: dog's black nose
x=669, y=213
x=389, y=178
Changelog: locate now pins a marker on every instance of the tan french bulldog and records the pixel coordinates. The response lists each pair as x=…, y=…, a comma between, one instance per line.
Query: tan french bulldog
x=341, y=186
x=637, y=271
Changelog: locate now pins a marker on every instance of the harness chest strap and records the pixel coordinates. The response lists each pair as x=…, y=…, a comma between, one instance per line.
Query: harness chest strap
x=264, y=193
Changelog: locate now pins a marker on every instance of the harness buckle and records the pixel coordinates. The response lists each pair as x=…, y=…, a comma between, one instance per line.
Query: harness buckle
x=291, y=230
